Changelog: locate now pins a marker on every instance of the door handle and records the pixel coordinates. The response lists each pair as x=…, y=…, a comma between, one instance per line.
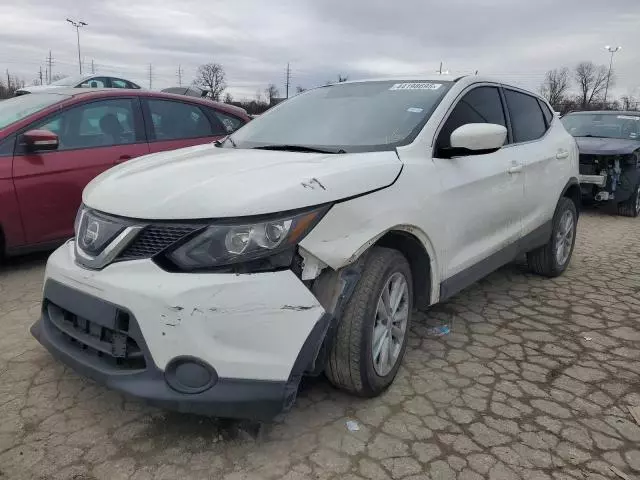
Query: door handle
x=562, y=154
x=515, y=169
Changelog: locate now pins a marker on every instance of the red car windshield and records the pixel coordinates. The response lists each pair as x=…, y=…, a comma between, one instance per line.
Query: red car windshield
x=15, y=109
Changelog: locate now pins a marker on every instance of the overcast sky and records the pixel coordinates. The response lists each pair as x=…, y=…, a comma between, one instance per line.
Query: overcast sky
x=517, y=40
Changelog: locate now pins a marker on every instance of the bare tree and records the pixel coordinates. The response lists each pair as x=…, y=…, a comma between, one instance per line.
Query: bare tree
x=228, y=98
x=211, y=76
x=555, y=86
x=629, y=102
x=342, y=78
x=300, y=89
x=271, y=92
x=591, y=80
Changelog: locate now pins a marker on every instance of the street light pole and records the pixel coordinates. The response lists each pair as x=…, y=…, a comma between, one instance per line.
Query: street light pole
x=612, y=51
x=77, y=25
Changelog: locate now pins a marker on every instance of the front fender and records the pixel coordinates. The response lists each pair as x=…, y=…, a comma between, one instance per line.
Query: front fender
x=350, y=228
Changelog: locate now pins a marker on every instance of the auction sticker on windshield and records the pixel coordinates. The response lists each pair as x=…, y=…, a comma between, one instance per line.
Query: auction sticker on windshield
x=416, y=86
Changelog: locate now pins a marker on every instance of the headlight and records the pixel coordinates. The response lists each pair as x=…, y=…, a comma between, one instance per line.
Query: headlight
x=229, y=244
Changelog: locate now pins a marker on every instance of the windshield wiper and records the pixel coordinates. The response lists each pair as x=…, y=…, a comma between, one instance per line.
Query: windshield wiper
x=220, y=143
x=298, y=148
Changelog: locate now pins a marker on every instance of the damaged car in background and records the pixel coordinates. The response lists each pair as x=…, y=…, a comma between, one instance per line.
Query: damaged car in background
x=211, y=279
x=609, y=144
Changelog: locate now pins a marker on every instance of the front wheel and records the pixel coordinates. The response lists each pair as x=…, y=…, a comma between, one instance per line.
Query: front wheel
x=372, y=334
x=552, y=259
x=631, y=207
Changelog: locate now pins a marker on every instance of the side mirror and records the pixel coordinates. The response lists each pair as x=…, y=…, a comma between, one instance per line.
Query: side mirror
x=476, y=139
x=94, y=84
x=40, y=140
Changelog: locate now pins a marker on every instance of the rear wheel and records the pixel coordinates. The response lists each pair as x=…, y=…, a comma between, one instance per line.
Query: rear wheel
x=552, y=259
x=631, y=207
x=372, y=334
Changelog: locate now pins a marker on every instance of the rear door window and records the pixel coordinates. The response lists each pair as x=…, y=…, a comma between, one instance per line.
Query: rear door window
x=527, y=121
x=177, y=120
x=97, y=82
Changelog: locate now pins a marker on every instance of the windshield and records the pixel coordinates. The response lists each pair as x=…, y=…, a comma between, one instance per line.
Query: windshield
x=349, y=117
x=69, y=81
x=605, y=125
x=16, y=108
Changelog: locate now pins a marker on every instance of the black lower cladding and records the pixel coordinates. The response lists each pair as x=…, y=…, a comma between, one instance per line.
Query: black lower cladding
x=79, y=329
x=458, y=282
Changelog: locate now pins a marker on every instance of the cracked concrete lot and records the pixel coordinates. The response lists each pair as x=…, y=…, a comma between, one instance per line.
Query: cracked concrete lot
x=533, y=382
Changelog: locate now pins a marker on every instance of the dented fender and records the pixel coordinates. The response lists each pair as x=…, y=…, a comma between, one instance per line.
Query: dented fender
x=350, y=229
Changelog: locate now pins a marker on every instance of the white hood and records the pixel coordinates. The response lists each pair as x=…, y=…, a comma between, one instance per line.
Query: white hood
x=208, y=182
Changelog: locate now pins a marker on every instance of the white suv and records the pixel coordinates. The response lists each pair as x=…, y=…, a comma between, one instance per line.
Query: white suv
x=211, y=279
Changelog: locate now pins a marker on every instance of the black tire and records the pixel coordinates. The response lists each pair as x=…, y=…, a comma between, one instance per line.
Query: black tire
x=631, y=207
x=350, y=364
x=543, y=260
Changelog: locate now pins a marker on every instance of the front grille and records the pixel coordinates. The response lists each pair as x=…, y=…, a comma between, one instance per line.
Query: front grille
x=154, y=239
x=111, y=347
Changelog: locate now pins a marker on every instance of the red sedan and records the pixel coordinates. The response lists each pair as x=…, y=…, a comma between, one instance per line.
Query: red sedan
x=53, y=143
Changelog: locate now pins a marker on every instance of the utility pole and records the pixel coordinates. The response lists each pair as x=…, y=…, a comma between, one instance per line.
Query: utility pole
x=150, y=75
x=612, y=51
x=49, y=65
x=288, y=79
x=93, y=67
x=41, y=75
x=78, y=24
x=180, y=72
x=442, y=72
x=8, y=80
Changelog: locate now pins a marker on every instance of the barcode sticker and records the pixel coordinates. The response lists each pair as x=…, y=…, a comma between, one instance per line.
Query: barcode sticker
x=416, y=86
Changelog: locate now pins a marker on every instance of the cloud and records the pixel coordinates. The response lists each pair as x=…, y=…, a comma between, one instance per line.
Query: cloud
x=517, y=40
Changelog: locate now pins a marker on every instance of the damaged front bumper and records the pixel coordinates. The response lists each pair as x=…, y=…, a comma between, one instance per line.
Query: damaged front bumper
x=597, y=180
x=215, y=344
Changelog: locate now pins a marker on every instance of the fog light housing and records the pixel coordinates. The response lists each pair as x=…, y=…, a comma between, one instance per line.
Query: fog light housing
x=190, y=375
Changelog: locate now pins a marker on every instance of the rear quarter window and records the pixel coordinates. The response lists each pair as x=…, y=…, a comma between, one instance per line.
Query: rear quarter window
x=546, y=111
x=231, y=123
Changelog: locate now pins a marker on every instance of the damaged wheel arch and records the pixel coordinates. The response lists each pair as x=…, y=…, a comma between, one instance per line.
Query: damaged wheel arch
x=334, y=288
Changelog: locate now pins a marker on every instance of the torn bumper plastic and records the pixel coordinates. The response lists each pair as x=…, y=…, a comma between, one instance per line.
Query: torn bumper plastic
x=243, y=339
x=598, y=180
